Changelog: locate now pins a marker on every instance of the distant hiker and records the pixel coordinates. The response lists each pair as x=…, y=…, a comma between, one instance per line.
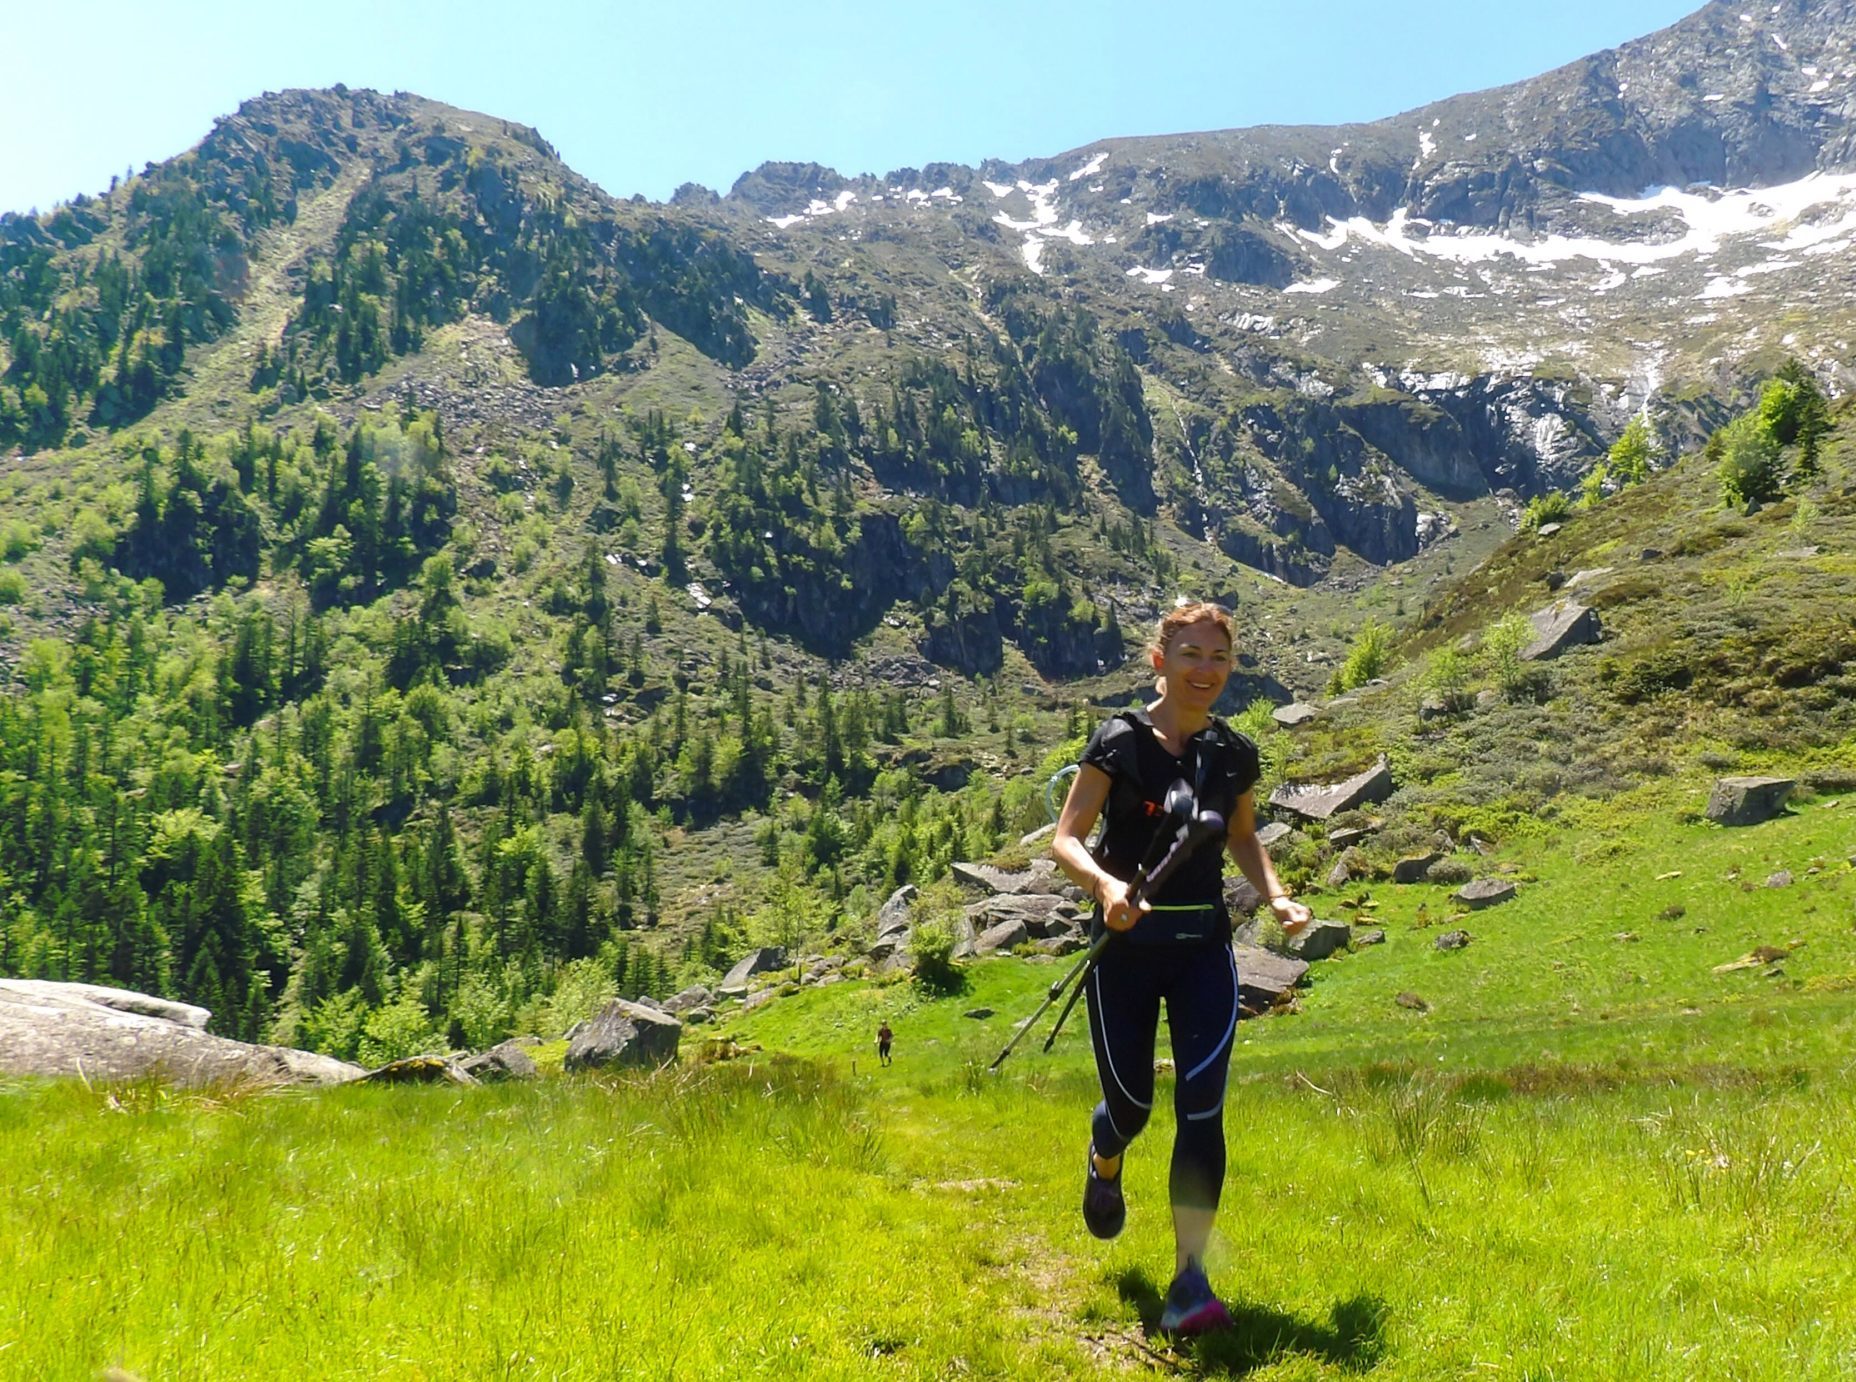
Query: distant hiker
x=883, y=1037
x=1175, y=946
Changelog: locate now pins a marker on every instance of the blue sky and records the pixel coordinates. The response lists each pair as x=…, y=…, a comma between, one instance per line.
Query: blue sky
x=643, y=97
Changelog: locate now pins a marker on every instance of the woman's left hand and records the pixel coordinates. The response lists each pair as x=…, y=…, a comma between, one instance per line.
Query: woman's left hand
x=1292, y=915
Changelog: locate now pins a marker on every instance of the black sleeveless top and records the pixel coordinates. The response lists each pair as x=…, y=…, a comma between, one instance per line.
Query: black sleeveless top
x=1220, y=764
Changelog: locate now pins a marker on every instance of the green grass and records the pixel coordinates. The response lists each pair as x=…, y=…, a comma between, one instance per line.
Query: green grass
x=1592, y=1157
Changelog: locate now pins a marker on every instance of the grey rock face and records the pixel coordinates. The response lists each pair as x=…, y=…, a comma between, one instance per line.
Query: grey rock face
x=1295, y=713
x=57, y=1029
x=1748, y=800
x=1263, y=978
x=754, y=962
x=1485, y=892
x=893, y=916
x=627, y=1035
x=1317, y=802
x=1560, y=626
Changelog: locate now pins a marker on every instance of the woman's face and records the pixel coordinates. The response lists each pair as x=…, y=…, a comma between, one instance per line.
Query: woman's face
x=1196, y=665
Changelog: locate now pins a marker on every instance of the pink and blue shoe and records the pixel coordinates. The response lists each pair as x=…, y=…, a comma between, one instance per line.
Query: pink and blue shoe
x=1191, y=1306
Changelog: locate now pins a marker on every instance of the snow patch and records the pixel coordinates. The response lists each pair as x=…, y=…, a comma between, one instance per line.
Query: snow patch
x=1709, y=220
x=1426, y=145
x=1154, y=218
x=1314, y=285
x=1093, y=166
x=1043, y=223
x=998, y=189
x=1150, y=275
x=1723, y=288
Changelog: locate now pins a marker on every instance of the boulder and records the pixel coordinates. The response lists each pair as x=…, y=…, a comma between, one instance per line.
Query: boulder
x=1003, y=936
x=1040, y=915
x=1781, y=879
x=1263, y=979
x=1370, y=935
x=628, y=1035
x=1413, y=867
x=754, y=962
x=1453, y=940
x=1269, y=836
x=1296, y=713
x=695, y=996
x=1340, y=875
x=1485, y=892
x=422, y=1070
x=1748, y=800
x=1038, y=836
x=1040, y=877
x=1349, y=835
x=101, y=1033
x=507, y=1061
x=1240, y=896
x=978, y=1014
x=1561, y=625
x=1320, y=939
x=1316, y=802
x=1066, y=944
x=893, y=916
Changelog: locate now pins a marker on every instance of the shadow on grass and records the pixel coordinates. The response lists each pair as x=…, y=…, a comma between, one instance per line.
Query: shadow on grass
x=1353, y=1338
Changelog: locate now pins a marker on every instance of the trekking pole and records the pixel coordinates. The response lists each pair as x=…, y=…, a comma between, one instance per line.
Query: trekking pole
x=1056, y=990
x=1203, y=826
x=1177, y=806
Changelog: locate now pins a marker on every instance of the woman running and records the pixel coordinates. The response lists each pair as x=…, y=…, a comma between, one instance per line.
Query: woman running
x=1174, y=946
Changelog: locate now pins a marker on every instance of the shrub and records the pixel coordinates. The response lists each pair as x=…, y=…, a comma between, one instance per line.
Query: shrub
x=397, y=1029
x=931, y=945
x=1551, y=507
x=1501, y=649
x=1748, y=461
x=1366, y=659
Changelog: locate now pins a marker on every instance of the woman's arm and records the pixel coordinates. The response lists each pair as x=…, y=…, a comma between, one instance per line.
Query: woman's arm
x=1247, y=850
x=1088, y=792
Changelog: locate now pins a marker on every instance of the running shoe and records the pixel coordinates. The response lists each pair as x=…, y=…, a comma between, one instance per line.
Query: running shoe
x=1191, y=1307
x=1104, y=1210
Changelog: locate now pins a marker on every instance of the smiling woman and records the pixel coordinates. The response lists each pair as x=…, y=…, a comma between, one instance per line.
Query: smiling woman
x=1173, y=946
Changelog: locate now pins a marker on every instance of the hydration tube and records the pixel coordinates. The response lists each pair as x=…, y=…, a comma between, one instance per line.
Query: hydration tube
x=1053, y=799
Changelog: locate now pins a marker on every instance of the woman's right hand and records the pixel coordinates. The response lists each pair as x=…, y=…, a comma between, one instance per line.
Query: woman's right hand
x=1117, y=915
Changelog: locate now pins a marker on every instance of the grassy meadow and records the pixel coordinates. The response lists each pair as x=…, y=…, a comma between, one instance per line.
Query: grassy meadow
x=1593, y=1156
